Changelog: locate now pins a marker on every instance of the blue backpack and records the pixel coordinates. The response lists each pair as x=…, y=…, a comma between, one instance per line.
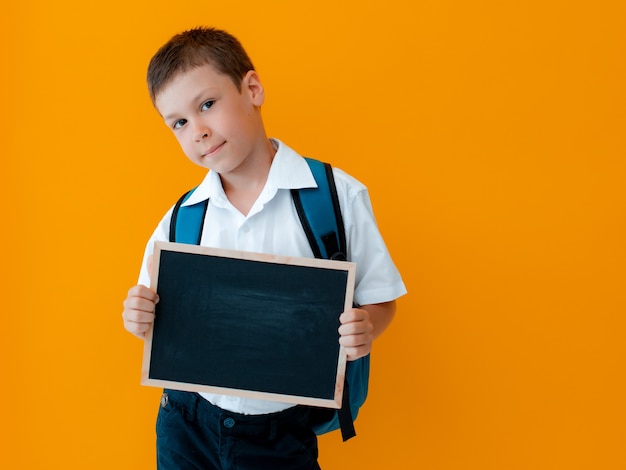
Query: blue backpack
x=320, y=215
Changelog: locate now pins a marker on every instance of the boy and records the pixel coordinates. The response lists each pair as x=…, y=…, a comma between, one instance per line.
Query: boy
x=206, y=89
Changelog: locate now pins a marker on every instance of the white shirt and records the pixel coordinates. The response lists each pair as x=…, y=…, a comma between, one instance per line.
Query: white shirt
x=272, y=226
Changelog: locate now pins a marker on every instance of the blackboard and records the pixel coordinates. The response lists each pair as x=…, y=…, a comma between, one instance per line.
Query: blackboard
x=248, y=324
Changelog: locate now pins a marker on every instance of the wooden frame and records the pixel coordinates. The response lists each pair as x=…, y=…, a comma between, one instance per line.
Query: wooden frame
x=248, y=324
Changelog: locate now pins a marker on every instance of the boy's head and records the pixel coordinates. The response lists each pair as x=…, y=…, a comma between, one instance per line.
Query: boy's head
x=195, y=48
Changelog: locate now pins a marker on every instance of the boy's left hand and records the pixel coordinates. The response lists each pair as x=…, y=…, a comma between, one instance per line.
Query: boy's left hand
x=361, y=326
x=356, y=332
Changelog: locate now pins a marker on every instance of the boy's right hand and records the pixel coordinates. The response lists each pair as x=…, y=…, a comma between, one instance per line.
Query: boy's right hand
x=139, y=308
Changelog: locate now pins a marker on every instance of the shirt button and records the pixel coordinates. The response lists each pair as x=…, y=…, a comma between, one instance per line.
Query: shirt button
x=229, y=422
x=245, y=229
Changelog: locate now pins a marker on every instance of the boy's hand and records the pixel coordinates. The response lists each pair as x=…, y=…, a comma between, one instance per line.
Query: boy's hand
x=356, y=332
x=361, y=326
x=139, y=308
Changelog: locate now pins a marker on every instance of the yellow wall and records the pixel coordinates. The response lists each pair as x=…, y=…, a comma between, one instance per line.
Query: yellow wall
x=491, y=135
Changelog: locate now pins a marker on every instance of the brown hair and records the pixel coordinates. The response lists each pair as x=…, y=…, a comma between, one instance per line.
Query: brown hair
x=195, y=48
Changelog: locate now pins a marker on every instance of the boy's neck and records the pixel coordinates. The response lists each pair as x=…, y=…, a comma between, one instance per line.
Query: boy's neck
x=243, y=187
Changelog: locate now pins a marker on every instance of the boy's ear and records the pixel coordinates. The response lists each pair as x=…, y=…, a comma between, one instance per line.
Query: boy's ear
x=252, y=85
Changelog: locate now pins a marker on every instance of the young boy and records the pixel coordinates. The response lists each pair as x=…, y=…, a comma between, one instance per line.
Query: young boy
x=206, y=89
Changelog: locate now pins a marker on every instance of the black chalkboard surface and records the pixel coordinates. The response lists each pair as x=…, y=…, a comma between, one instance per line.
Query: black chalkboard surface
x=248, y=324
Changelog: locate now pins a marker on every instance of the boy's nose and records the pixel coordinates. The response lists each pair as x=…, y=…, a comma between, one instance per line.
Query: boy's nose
x=200, y=136
x=201, y=133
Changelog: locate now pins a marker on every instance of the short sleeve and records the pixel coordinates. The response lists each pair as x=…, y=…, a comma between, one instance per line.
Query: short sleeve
x=377, y=278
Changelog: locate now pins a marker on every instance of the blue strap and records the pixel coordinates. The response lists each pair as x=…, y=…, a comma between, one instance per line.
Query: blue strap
x=188, y=229
x=354, y=395
x=324, y=229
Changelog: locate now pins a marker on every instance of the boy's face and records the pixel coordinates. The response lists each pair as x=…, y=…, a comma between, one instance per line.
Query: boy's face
x=217, y=126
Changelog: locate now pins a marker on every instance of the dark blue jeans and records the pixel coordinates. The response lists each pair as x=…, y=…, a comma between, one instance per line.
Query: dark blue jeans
x=194, y=434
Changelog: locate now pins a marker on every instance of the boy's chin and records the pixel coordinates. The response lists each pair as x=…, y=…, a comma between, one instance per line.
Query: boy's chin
x=201, y=162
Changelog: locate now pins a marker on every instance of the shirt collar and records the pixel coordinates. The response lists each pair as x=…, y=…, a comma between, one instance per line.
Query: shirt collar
x=288, y=171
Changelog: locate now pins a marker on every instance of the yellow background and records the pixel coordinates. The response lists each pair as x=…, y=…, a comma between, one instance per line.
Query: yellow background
x=491, y=136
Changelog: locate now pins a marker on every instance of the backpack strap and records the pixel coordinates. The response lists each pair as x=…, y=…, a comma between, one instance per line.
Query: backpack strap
x=190, y=229
x=325, y=234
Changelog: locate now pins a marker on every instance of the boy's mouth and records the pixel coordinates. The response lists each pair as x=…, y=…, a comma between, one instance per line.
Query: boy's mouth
x=213, y=150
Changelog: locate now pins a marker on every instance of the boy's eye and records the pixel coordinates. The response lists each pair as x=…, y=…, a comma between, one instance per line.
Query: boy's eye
x=207, y=105
x=180, y=123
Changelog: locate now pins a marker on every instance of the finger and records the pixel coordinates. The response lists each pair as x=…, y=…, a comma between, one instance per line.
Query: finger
x=352, y=315
x=137, y=322
x=138, y=316
x=355, y=341
x=143, y=292
x=137, y=329
x=364, y=327
x=139, y=303
x=352, y=354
